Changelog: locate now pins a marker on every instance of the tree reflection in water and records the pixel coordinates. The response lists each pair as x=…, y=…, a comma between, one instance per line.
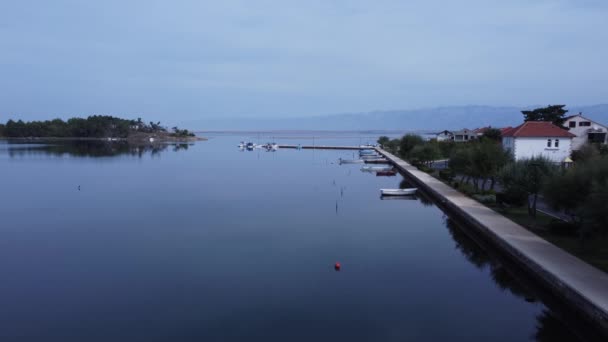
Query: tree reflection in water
x=548, y=327
x=90, y=148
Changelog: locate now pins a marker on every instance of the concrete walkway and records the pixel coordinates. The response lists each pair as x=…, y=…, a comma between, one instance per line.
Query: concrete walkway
x=580, y=284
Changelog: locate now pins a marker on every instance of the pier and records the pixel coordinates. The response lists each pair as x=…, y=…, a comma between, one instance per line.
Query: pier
x=325, y=147
x=580, y=285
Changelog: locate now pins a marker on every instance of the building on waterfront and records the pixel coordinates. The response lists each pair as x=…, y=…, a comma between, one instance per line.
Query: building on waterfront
x=585, y=131
x=444, y=136
x=464, y=135
x=538, y=138
x=479, y=132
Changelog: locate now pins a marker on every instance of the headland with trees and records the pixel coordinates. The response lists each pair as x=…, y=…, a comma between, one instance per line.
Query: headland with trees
x=95, y=127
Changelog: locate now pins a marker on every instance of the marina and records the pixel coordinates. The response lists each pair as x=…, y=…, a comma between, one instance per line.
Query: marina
x=405, y=266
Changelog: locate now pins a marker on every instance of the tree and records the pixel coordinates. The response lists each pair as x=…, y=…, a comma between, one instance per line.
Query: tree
x=461, y=162
x=582, y=191
x=408, y=142
x=527, y=176
x=492, y=134
x=383, y=140
x=425, y=153
x=585, y=153
x=392, y=146
x=1, y=130
x=569, y=191
x=553, y=113
x=487, y=159
x=597, y=206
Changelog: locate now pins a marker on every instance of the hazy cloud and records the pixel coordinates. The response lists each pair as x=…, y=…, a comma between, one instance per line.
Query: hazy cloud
x=182, y=60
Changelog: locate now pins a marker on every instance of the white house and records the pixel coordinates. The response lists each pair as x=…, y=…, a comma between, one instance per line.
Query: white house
x=444, y=136
x=464, y=135
x=538, y=138
x=585, y=131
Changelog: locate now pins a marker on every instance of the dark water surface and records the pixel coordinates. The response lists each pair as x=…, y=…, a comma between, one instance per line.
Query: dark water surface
x=206, y=243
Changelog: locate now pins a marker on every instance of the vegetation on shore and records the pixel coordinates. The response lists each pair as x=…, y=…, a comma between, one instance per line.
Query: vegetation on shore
x=95, y=126
x=483, y=170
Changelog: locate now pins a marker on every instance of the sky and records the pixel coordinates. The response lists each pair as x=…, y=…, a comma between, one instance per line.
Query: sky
x=191, y=59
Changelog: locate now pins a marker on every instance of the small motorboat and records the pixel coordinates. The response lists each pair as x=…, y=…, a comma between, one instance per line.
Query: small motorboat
x=376, y=168
x=403, y=198
x=351, y=161
x=377, y=161
x=250, y=146
x=398, y=192
x=369, y=156
x=364, y=152
x=389, y=173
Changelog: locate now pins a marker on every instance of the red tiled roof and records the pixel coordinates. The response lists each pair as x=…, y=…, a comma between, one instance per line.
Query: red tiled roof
x=537, y=129
x=505, y=129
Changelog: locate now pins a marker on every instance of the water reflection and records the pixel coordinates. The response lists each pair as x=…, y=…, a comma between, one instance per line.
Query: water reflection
x=90, y=148
x=548, y=327
x=421, y=196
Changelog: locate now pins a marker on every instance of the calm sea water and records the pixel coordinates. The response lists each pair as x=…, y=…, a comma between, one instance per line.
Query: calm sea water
x=204, y=242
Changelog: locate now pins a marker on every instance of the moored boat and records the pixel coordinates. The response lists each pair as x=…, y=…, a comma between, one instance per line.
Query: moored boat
x=398, y=192
x=351, y=161
x=376, y=168
x=370, y=156
x=386, y=173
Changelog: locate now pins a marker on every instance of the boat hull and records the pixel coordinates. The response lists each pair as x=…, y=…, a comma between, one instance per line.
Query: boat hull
x=398, y=192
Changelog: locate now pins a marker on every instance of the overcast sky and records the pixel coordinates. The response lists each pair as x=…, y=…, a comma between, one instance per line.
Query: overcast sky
x=183, y=60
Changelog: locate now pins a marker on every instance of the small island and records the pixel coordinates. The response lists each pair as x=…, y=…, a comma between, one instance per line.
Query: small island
x=96, y=127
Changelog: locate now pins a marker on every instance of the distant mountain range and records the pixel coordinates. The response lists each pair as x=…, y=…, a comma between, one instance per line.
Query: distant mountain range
x=429, y=119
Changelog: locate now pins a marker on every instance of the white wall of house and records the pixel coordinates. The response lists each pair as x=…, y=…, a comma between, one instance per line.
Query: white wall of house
x=526, y=148
x=443, y=136
x=580, y=126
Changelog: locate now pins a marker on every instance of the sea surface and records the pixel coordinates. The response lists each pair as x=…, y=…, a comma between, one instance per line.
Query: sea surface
x=205, y=242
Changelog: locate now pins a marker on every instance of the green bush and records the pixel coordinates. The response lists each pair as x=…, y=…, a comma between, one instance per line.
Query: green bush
x=486, y=199
x=560, y=227
x=513, y=198
x=446, y=175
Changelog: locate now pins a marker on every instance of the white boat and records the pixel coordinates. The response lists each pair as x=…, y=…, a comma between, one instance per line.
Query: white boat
x=370, y=156
x=351, y=161
x=398, y=192
x=402, y=198
x=376, y=168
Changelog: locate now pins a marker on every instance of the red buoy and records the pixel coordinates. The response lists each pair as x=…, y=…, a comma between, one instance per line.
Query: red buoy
x=337, y=266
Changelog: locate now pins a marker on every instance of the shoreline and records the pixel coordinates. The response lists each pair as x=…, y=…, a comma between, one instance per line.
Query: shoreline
x=578, y=284
x=140, y=140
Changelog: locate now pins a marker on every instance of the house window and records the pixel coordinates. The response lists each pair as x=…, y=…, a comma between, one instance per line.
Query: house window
x=548, y=142
x=584, y=123
x=556, y=143
x=572, y=124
